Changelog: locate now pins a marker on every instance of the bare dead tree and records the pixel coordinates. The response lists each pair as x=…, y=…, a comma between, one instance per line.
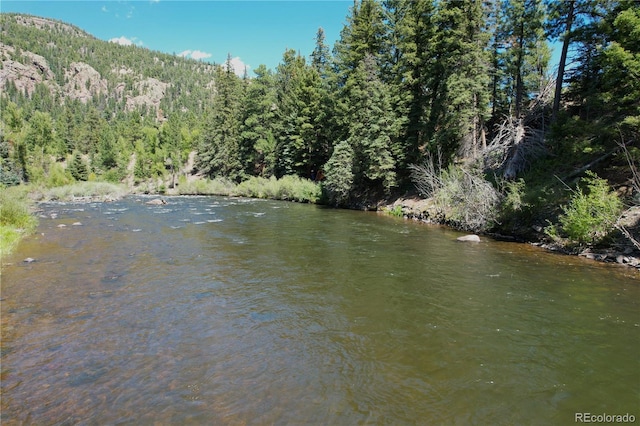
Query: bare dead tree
x=427, y=176
x=635, y=182
x=519, y=140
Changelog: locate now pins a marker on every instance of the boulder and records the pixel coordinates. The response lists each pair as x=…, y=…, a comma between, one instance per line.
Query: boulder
x=156, y=202
x=471, y=238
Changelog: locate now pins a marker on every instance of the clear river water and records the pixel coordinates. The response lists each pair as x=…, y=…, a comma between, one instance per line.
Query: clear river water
x=230, y=311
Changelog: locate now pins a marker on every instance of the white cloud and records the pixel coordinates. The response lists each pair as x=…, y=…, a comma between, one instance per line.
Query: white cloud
x=194, y=54
x=124, y=41
x=104, y=9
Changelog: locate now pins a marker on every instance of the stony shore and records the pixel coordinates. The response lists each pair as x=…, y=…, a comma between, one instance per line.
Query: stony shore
x=621, y=251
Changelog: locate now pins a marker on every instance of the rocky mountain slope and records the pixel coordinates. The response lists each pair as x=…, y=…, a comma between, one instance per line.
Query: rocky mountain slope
x=70, y=64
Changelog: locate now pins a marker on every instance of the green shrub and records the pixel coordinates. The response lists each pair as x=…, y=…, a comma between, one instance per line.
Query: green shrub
x=396, y=211
x=591, y=213
x=513, y=200
x=218, y=186
x=114, y=175
x=84, y=190
x=292, y=188
x=58, y=176
x=14, y=209
x=15, y=217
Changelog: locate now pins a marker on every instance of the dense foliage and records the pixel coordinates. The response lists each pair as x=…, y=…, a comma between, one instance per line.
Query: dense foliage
x=407, y=79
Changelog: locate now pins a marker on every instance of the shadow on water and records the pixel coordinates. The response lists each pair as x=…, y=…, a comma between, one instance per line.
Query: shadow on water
x=219, y=310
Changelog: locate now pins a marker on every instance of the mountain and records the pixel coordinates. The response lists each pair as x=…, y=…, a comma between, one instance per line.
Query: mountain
x=70, y=64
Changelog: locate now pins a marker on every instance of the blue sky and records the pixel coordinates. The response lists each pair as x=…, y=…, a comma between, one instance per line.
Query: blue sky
x=253, y=32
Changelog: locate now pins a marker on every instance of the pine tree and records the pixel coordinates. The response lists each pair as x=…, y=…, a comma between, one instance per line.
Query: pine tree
x=321, y=55
x=466, y=95
x=78, y=168
x=525, y=55
x=570, y=21
x=408, y=55
x=370, y=135
x=257, y=141
x=299, y=110
x=339, y=179
x=219, y=150
x=364, y=34
x=621, y=68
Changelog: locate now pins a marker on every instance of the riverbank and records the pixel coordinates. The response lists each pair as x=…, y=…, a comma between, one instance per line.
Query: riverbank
x=618, y=250
x=18, y=211
x=18, y=206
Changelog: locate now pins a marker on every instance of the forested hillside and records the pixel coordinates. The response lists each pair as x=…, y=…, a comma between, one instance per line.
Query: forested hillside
x=415, y=93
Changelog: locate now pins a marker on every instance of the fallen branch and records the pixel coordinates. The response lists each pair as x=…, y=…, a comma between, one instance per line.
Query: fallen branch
x=635, y=176
x=590, y=165
x=627, y=234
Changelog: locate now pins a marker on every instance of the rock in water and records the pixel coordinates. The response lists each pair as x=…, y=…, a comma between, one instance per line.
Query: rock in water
x=156, y=202
x=29, y=260
x=472, y=238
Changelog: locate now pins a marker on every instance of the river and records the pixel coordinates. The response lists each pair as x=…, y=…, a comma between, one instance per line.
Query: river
x=212, y=310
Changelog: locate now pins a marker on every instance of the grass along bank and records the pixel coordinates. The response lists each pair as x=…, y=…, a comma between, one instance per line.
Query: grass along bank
x=80, y=191
x=289, y=188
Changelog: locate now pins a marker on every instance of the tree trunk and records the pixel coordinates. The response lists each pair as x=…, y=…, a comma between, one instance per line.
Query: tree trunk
x=519, y=70
x=562, y=63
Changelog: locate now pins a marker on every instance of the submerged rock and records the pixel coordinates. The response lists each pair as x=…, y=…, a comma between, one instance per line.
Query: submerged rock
x=470, y=238
x=156, y=202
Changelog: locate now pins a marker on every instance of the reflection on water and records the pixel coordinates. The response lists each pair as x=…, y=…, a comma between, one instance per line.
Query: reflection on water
x=231, y=311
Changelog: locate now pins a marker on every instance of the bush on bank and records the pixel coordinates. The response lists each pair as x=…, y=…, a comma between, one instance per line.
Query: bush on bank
x=96, y=190
x=591, y=213
x=291, y=188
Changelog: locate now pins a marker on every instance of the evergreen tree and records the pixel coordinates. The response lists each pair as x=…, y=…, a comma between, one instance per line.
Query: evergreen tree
x=575, y=22
x=321, y=56
x=78, y=168
x=620, y=78
x=326, y=121
x=408, y=53
x=369, y=110
x=462, y=47
x=525, y=55
x=170, y=138
x=9, y=172
x=107, y=155
x=257, y=141
x=219, y=153
x=339, y=180
x=299, y=105
x=40, y=132
x=364, y=34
